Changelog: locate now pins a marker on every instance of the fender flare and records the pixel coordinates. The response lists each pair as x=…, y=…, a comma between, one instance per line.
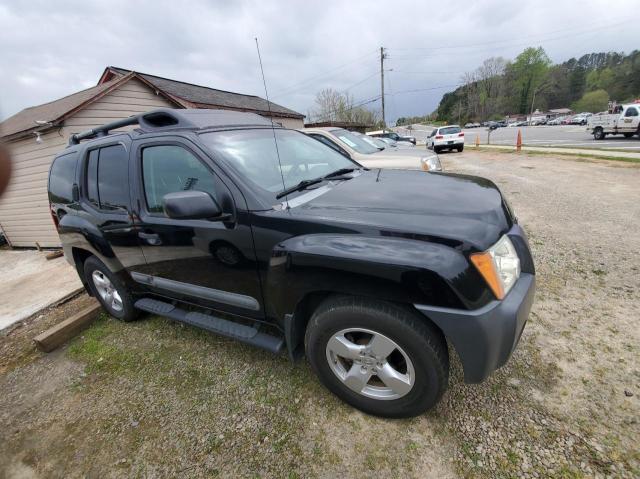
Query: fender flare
x=304, y=270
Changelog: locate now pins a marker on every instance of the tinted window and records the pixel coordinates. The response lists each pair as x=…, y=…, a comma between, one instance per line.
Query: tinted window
x=108, y=178
x=113, y=178
x=253, y=154
x=169, y=168
x=61, y=179
x=631, y=112
x=92, y=178
x=451, y=130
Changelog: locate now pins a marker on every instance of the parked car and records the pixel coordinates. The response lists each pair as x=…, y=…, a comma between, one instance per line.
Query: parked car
x=556, y=121
x=580, y=119
x=393, y=135
x=220, y=220
x=353, y=146
x=625, y=121
x=449, y=137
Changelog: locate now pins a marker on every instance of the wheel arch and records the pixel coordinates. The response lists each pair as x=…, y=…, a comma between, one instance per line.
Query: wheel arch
x=295, y=325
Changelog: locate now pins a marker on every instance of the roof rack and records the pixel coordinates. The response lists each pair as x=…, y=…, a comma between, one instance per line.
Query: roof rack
x=102, y=130
x=171, y=119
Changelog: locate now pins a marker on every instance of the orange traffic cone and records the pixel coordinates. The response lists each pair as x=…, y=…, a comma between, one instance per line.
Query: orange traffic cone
x=519, y=141
x=477, y=141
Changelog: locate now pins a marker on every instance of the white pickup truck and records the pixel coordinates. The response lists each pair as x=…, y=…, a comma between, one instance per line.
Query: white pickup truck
x=625, y=121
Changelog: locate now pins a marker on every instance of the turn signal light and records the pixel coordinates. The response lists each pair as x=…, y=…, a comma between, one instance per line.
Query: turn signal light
x=486, y=266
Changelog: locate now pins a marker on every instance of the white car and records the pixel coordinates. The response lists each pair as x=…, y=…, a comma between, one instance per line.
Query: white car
x=448, y=137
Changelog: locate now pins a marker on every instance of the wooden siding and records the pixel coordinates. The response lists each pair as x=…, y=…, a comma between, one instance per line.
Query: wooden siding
x=293, y=123
x=24, y=208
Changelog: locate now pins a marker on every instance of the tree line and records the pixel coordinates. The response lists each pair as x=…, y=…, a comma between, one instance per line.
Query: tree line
x=501, y=87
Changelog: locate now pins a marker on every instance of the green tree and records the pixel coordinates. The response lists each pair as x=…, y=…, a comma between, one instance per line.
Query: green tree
x=592, y=101
x=600, y=79
x=530, y=70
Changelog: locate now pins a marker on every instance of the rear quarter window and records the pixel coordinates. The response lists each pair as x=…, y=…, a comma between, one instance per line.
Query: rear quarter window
x=62, y=176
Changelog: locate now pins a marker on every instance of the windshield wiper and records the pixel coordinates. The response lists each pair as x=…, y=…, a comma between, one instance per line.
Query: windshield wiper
x=300, y=186
x=341, y=171
x=305, y=183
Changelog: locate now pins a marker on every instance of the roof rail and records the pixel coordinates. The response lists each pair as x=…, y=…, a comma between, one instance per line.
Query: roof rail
x=103, y=130
x=163, y=119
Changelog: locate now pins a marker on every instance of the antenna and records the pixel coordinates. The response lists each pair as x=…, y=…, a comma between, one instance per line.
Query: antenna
x=273, y=129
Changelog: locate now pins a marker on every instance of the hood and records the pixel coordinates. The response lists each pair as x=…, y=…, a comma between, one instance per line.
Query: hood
x=458, y=210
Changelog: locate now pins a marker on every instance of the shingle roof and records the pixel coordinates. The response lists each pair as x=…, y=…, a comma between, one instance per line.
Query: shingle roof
x=211, y=97
x=52, y=111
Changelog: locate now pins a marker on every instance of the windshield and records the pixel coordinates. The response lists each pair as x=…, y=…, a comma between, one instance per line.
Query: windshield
x=252, y=153
x=354, y=141
x=380, y=145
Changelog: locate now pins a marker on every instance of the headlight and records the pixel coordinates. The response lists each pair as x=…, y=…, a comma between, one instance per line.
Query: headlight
x=499, y=266
x=431, y=163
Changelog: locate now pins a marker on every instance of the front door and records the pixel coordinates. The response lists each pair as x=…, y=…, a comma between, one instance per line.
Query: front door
x=206, y=262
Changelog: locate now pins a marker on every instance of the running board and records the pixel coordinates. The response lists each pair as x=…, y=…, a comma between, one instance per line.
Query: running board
x=223, y=327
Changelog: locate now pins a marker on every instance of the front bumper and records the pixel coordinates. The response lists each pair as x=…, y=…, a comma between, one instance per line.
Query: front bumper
x=485, y=338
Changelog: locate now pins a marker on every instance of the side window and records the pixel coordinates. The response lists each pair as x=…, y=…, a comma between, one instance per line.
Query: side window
x=631, y=112
x=61, y=179
x=329, y=143
x=92, y=178
x=170, y=168
x=108, y=178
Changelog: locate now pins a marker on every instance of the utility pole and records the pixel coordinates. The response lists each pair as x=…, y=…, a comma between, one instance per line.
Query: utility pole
x=382, y=56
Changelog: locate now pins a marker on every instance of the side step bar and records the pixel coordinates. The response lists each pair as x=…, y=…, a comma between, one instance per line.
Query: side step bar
x=223, y=327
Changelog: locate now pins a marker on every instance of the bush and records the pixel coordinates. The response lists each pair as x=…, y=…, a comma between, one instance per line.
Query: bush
x=593, y=101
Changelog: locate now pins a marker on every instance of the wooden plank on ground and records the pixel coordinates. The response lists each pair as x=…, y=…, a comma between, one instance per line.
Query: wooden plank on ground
x=67, y=329
x=54, y=254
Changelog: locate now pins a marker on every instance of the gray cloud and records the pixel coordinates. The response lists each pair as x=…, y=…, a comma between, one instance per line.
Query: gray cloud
x=51, y=49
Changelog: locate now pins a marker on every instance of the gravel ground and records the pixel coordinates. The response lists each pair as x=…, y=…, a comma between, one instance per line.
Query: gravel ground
x=158, y=399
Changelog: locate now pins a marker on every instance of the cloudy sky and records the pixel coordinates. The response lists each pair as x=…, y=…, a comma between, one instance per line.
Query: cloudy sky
x=51, y=49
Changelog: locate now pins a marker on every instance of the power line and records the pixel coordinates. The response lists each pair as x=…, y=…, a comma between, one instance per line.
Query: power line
x=303, y=83
x=426, y=89
x=325, y=115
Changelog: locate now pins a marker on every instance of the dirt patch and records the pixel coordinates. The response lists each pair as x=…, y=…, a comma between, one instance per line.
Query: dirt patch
x=156, y=399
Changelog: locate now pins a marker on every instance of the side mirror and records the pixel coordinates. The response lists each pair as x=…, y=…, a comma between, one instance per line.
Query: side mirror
x=191, y=205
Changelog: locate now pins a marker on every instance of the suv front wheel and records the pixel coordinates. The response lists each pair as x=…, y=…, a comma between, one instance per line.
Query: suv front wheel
x=109, y=290
x=378, y=357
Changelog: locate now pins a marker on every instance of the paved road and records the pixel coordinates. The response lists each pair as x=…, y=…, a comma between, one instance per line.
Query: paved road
x=564, y=136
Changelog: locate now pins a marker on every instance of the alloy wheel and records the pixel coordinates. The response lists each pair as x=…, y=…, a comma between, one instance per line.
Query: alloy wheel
x=370, y=363
x=107, y=290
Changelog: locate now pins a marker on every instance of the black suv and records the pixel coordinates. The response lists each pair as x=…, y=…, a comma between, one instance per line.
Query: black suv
x=220, y=220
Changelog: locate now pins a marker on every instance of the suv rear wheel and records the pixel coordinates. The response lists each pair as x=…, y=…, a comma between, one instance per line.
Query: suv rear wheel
x=109, y=290
x=378, y=357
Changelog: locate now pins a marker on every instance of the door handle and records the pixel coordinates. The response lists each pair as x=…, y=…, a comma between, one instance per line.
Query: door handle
x=151, y=238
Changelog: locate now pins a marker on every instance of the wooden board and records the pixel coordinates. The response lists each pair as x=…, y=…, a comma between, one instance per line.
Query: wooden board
x=67, y=329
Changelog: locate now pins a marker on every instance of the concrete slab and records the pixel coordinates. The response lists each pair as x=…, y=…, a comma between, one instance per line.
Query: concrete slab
x=29, y=283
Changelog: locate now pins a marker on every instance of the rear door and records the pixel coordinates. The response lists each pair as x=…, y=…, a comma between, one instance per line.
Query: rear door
x=106, y=203
x=211, y=263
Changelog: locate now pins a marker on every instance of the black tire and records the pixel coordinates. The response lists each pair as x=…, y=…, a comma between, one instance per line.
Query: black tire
x=598, y=134
x=628, y=135
x=436, y=149
x=422, y=342
x=460, y=148
x=127, y=312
